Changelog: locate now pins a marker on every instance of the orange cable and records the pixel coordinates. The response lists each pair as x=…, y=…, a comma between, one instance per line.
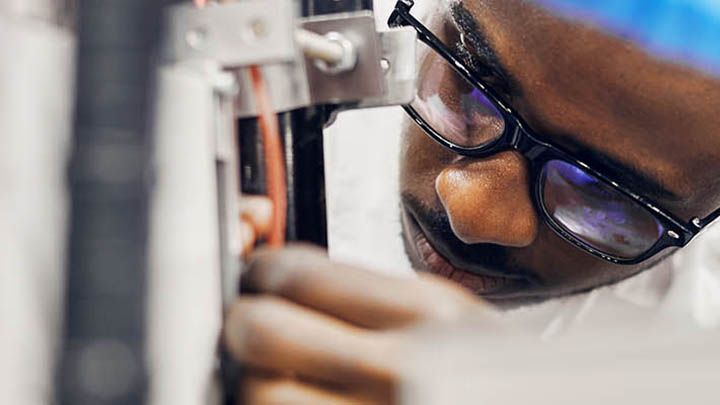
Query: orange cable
x=274, y=159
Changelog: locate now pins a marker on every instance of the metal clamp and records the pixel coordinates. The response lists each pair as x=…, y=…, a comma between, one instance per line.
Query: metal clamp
x=250, y=32
x=365, y=79
x=341, y=60
x=398, y=64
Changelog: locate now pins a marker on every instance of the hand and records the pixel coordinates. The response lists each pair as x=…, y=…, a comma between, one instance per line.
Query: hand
x=319, y=332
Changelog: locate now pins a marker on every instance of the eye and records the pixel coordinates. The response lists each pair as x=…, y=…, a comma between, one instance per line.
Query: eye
x=595, y=213
x=454, y=107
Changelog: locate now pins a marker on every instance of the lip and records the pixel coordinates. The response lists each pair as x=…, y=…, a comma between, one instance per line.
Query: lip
x=480, y=281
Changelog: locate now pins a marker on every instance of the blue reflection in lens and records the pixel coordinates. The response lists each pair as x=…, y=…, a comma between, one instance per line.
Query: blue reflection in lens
x=480, y=98
x=576, y=175
x=452, y=106
x=595, y=213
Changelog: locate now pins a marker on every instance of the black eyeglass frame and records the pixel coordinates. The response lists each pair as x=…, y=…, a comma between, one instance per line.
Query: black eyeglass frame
x=518, y=136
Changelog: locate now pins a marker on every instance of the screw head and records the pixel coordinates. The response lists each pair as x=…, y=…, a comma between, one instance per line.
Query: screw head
x=255, y=30
x=385, y=65
x=673, y=235
x=697, y=222
x=195, y=38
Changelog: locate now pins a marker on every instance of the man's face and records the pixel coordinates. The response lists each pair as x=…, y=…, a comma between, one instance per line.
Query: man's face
x=588, y=92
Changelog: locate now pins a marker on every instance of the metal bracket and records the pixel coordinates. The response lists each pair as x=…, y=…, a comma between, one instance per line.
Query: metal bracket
x=286, y=83
x=249, y=32
x=238, y=34
x=289, y=88
x=365, y=80
x=398, y=64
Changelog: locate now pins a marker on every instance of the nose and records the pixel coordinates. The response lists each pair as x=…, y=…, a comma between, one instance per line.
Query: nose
x=488, y=200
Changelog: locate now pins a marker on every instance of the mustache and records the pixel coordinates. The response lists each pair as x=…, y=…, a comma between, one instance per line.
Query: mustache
x=436, y=226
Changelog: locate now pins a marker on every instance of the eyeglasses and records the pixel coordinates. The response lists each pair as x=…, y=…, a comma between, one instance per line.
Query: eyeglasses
x=456, y=108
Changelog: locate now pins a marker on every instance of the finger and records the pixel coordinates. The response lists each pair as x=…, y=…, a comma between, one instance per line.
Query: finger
x=268, y=390
x=257, y=211
x=306, y=276
x=247, y=237
x=274, y=334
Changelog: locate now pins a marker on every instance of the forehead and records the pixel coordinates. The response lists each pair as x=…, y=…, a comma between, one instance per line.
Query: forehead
x=578, y=81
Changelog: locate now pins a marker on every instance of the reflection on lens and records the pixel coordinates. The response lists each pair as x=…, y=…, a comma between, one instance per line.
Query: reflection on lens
x=453, y=107
x=597, y=214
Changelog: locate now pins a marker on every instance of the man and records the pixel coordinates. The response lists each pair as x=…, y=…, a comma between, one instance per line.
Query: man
x=593, y=95
x=564, y=159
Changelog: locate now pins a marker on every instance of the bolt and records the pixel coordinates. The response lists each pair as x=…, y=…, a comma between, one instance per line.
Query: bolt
x=195, y=38
x=385, y=65
x=256, y=30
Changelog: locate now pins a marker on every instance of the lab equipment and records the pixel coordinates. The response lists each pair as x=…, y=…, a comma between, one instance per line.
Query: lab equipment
x=241, y=74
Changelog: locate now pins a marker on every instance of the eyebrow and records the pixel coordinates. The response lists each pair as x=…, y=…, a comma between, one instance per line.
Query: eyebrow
x=632, y=178
x=489, y=63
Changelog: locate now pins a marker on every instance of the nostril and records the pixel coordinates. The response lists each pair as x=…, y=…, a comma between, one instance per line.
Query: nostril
x=487, y=201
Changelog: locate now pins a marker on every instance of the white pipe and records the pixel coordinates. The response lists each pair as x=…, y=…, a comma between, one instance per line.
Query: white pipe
x=319, y=47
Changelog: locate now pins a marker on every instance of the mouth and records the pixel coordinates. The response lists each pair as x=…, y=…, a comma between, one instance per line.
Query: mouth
x=483, y=282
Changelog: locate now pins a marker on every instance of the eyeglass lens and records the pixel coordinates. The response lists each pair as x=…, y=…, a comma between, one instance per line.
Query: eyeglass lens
x=452, y=106
x=595, y=213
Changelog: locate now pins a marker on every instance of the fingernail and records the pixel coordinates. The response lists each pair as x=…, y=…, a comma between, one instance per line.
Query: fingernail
x=260, y=207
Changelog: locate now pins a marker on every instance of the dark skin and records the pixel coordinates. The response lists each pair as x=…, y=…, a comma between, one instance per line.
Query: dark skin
x=311, y=331
x=589, y=93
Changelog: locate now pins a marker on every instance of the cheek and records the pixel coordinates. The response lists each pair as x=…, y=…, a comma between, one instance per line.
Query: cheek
x=421, y=160
x=565, y=269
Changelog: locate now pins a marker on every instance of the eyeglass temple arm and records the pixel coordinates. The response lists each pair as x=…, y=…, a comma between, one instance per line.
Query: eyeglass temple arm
x=709, y=219
x=400, y=12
